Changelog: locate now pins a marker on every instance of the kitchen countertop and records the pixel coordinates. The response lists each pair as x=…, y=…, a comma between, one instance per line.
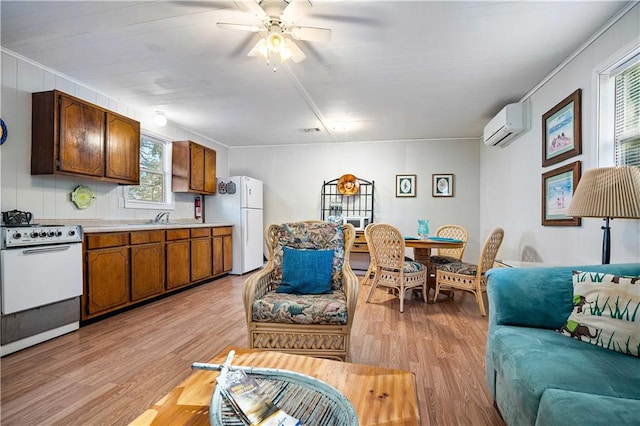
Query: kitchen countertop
x=125, y=227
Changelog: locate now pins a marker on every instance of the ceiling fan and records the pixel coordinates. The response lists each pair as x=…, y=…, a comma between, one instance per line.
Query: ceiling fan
x=277, y=28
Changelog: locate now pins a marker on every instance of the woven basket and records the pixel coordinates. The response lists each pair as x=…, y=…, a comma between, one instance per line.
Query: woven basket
x=306, y=398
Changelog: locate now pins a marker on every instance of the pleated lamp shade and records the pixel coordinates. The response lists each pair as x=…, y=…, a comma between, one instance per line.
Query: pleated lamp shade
x=612, y=192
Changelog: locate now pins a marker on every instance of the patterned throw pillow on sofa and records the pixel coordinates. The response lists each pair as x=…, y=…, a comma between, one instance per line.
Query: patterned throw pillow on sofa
x=606, y=311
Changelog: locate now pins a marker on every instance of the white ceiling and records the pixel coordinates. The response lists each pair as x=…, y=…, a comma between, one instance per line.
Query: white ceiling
x=395, y=70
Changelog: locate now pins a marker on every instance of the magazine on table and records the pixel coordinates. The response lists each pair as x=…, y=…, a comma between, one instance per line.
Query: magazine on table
x=250, y=403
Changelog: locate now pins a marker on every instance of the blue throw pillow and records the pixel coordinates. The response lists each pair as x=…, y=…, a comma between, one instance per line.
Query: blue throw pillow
x=306, y=271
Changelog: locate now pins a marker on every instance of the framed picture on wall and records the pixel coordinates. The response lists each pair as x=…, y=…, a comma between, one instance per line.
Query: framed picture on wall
x=562, y=130
x=405, y=185
x=442, y=185
x=558, y=187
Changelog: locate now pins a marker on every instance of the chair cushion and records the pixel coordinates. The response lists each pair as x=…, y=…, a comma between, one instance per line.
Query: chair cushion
x=441, y=260
x=301, y=308
x=315, y=235
x=411, y=266
x=306, y=271
x=459, y=268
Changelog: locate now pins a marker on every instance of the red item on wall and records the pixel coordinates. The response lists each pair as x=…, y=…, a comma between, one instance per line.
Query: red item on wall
x=198, y=208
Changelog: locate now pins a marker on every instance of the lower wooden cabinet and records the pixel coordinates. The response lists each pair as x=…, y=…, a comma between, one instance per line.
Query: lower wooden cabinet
x=124, y=268
x=222, y=250
x=107, y=269
x=360, y=243
x=147, y=264
x=201, y=260
x=108, y=273
x=178, y=264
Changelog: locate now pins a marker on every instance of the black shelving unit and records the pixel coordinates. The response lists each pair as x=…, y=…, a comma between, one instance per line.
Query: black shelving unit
x=333, y=203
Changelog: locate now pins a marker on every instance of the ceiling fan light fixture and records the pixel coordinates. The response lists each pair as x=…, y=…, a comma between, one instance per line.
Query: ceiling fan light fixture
x=275, y=42
x=285, y=54
x=262, y=48
x=159, y=119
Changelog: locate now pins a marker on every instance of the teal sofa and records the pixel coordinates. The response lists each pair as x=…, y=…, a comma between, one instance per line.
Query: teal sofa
x=538, y=376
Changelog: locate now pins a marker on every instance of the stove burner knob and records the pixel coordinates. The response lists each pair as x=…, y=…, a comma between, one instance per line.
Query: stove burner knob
x=51, y=234
x=17, y=235
x=72, y=232
x=34, y=234
x=58, y=233
x=43, y=234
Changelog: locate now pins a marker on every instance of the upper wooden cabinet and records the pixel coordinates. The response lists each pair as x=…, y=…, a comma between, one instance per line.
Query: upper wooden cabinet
x=194, y=168
x=74, y=137
x=122, y=151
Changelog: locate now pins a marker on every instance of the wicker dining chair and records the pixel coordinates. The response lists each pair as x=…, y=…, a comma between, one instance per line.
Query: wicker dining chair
x=386, y=246
x=317, y=324
x=467, y=276
x=371, y=270
x=446, y=255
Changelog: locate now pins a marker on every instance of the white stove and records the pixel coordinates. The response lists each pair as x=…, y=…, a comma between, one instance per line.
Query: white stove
x=34, y=235
x=40, y=283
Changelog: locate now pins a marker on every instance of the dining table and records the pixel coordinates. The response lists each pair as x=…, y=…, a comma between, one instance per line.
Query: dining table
x=422, y=251
x=422, y=247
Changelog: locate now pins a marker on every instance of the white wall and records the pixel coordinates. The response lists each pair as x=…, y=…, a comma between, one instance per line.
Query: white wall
x=48, y=197
x=511, y=177
x=293, y=178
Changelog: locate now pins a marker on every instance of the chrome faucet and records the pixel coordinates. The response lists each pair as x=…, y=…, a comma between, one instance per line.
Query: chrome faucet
x=162, y=217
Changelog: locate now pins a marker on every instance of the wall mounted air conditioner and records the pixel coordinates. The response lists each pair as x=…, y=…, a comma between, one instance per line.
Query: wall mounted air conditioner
x=506, y=125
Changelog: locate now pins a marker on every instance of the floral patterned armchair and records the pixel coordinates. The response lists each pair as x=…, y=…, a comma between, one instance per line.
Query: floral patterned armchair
x=306, y=324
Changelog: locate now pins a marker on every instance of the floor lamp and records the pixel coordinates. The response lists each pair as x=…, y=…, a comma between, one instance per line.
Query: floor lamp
x=608, y=192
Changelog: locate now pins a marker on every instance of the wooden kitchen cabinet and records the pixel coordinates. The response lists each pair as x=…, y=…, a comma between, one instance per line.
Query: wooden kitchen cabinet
x=122, y=151
x=193, y=168
x=201, y=257
x=222, y=250
x=360, y=243
x=74, y=137
x=124, y=268
x=147, y=264
x=106, y=274
x=178, y=250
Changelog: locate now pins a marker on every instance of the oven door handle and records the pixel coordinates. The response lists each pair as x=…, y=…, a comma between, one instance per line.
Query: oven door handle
x=45, y=249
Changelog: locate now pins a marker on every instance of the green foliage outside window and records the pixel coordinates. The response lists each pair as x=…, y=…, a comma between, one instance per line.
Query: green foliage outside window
x=151, y=186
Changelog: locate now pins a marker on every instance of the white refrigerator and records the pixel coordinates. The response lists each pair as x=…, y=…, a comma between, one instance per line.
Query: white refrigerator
x=239, y=201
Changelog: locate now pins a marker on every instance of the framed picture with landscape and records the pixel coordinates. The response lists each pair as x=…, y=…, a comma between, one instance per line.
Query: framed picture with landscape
x=558, y=187
x=561, y=130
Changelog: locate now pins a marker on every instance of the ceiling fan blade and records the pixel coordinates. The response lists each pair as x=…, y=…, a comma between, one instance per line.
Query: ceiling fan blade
x=295, y=9
x=255, y=50
x=242, y=47
x=208, y=4
x=348, y=19
x=241, y=27
x=252, y=7
x=297, y=55
x=311, y=33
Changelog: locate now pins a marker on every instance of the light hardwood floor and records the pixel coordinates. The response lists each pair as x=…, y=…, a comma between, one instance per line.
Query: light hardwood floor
x=108, y=372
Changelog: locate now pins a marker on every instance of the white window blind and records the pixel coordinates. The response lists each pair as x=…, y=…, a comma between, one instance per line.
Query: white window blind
x=627, y=117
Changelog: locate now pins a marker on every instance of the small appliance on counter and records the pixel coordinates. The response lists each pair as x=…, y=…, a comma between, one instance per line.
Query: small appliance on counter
x=40, y=281
x=16, y=218
x=358, y=222
x=240, y=203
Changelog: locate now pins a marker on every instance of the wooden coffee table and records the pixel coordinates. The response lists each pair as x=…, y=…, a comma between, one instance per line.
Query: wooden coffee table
x=378, y=395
